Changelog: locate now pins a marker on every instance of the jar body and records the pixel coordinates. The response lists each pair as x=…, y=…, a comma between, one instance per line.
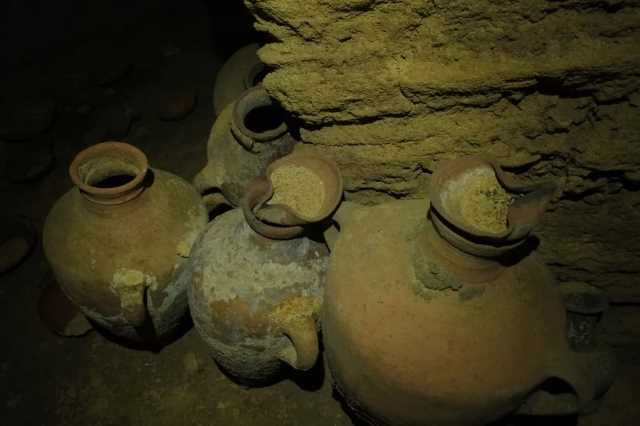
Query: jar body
x=412, y=341
x=240, y=72
x=117, y=262
x=245, y=292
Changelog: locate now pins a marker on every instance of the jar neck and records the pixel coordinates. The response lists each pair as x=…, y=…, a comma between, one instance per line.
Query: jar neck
x=128, y=202
x=110, y=174
x=125, y=197
x=465, y=267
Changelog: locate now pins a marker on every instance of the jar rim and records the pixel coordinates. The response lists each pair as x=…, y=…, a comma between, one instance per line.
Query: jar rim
x=110, y=150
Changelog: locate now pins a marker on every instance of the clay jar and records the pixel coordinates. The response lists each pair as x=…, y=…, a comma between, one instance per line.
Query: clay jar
x=117, y=240
x=444, y=320
x=242, y=71
x=248, y=135
x=256, y=291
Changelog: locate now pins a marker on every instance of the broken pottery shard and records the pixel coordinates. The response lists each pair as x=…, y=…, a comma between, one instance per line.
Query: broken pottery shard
x=177, y=106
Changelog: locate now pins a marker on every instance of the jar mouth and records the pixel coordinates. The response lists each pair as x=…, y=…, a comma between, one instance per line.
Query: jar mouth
x=257, y=116
x=303, y=176
x=109, y=172
x=477, y=201
x=480, y=209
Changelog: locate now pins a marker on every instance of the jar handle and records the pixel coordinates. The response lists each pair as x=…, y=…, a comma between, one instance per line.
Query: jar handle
x=302, y=351
x=588, y=374
x=209, y=182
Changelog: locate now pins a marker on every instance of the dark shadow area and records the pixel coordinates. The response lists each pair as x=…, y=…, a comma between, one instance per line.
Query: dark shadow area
x=312, y=379
x=231, y=26
x=113, y=181
x=148, y=338
x=356, y=417
x=264, y=118
x=518, y=253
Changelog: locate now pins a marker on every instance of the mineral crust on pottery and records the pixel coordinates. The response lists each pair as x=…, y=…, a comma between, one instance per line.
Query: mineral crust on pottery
x=256, y=287
x=242, y=71
x=450, y=318
x=117, y=240
x=246, y=137
x=255, y=301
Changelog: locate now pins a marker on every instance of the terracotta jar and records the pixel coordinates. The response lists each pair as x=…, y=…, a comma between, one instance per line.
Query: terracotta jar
x=242, y=71
x=117, y=239
x=248, y=135
x=256, y=288
x=448, y=318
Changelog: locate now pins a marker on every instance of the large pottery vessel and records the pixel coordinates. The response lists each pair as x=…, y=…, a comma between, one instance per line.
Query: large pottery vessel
x=117, y=240
x=451, y=318
x=247, y=136
x=256, y=287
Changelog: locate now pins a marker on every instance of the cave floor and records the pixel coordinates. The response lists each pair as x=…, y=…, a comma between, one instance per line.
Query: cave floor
x=48, y=380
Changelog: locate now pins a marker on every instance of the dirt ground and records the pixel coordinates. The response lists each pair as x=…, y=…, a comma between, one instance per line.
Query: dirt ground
x=48, y=380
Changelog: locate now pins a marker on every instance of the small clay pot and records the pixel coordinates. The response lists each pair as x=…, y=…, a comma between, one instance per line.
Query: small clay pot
x=117, y=240
x=247, y=136
x=279, y=220
x=242, y=71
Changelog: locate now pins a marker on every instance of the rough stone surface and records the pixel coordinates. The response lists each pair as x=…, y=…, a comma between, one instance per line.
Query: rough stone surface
x=388, y=88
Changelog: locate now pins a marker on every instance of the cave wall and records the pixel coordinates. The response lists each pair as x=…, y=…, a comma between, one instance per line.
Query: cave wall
x=551, y=87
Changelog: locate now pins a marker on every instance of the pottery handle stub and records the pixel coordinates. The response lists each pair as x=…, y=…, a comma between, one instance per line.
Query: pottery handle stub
x=207, y=184
x=331, y=235
x=130, y=286
x=303, y=351
x=340, y=220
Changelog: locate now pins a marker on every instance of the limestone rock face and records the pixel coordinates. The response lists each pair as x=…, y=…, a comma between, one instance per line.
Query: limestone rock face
x=388, y=88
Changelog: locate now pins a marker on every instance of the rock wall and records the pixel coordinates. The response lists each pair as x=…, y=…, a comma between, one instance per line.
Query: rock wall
x=552, y=87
